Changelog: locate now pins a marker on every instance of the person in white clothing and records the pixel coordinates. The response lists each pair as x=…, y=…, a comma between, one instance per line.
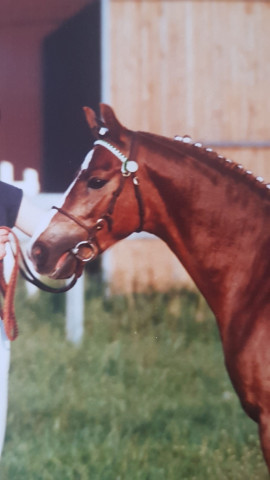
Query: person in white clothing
x=15, y=210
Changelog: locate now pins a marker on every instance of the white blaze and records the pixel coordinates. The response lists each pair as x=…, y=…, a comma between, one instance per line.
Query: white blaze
x=87, y=160
x=48, y=216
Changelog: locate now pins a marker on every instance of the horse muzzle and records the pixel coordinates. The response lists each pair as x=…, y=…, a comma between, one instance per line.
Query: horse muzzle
x=61, y=266
x=65, y=264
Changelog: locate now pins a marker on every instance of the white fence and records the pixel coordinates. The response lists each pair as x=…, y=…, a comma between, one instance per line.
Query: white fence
x=29, y=183
x=74, y=297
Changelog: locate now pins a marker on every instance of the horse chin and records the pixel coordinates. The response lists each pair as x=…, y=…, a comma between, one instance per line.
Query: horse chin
x=65, y=267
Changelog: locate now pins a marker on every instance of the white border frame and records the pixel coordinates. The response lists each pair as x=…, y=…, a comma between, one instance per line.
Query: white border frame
x=105, y=51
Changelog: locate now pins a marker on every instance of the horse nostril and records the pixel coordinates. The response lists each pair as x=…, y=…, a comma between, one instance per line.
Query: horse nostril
x=39, y=253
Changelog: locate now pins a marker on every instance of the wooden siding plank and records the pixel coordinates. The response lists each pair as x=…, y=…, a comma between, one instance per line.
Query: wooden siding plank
x=197, y=67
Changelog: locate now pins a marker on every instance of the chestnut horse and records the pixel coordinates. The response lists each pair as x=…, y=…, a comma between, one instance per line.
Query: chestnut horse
x=211, y=212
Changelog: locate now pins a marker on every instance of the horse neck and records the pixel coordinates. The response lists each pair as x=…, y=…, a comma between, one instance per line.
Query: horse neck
x=213, y=219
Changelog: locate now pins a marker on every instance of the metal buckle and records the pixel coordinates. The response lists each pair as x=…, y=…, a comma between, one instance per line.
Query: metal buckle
x=84, y=244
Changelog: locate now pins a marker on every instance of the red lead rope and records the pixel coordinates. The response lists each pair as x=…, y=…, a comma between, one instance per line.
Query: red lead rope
x=7, y=311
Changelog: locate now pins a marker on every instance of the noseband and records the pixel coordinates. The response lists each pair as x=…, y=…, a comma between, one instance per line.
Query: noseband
x=90, y=244
x=87, y=250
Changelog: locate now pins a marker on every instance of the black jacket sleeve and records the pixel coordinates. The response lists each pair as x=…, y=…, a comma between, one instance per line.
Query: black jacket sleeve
x=10, y=201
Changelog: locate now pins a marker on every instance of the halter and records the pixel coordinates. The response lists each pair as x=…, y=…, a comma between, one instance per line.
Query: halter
x=128, y=168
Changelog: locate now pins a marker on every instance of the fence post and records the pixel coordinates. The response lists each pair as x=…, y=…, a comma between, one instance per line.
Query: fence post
x=6, y=172
x=75, y=312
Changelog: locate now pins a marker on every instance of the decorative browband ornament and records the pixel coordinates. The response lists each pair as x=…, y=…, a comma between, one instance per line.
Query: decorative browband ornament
x=128, y=166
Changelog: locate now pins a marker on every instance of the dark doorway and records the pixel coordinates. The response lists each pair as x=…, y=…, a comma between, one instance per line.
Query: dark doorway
x=72, y=79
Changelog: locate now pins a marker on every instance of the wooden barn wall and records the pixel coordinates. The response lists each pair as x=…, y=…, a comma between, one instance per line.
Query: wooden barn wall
x=195, y=67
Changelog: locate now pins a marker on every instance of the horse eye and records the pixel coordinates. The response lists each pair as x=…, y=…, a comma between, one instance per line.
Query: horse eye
x=96, y=183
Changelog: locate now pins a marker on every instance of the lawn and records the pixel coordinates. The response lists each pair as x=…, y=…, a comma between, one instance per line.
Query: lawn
x=144, y=397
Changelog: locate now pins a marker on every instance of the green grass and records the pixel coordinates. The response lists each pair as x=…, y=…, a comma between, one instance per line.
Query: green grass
x=144, y=397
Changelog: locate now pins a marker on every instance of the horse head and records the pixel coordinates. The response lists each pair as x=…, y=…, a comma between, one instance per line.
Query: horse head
x=95, y=212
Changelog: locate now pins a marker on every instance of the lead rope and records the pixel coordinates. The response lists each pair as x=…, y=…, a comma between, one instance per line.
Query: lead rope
x=7, y=311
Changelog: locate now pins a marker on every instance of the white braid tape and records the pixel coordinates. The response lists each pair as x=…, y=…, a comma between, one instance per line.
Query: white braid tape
x=127, y=165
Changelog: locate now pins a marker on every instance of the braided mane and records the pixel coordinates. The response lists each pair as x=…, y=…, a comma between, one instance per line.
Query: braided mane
x=213, y=159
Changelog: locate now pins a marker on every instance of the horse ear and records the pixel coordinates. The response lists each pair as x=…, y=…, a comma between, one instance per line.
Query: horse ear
x=111, y=122
x=91, y=120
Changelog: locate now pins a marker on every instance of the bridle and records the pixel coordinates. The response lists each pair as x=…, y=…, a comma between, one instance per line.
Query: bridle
x=128, y=168
x=87, y=250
